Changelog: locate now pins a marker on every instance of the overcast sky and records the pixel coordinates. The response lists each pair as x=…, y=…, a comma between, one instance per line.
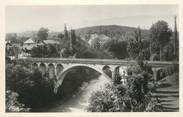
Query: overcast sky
x=23, y=18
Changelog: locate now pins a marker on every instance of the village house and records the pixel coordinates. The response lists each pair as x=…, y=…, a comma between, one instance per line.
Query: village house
x=31, y=43
x=98, y=38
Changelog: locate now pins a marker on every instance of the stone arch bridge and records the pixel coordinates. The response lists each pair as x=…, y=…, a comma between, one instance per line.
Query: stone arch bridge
x=59, y=67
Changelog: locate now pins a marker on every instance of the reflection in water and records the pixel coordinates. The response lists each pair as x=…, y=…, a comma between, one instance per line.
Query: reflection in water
x=79, y=101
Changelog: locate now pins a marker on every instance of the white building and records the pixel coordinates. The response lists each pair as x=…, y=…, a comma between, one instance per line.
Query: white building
x=29, y=44
x=98, y=38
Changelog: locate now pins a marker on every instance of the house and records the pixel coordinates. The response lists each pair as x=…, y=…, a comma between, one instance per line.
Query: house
x=99, y=39
x=29, y=44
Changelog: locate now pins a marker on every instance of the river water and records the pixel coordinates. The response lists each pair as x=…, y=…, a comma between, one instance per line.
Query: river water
x=80, y=100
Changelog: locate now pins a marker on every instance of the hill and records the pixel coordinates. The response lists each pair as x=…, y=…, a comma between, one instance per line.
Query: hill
x=110, y=30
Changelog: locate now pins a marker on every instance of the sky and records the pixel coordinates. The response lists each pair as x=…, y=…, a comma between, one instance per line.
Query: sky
x=26, y=18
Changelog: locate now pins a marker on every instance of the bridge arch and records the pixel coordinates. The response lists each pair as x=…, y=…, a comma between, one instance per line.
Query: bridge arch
x=97, y=68
x=59, y=68
x=107, y=70
x=35, y=66
x=42, y=68
x=51, y=70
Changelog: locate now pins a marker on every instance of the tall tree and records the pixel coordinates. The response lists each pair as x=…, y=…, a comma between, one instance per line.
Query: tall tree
x=66, y=35
x=42, y=34
x=135, y=44
x=175, y=52
x=60, y=35
x=11, y=37
x=72, y=39
x=160, y=34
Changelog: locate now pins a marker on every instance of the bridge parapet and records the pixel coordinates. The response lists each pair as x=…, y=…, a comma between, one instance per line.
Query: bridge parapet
x=98, y=61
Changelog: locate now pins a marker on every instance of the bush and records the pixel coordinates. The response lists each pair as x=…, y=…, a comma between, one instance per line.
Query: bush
x=34, y=90
x=109, y=99
x=45, y=51
x=135, y=96
x=12, y=104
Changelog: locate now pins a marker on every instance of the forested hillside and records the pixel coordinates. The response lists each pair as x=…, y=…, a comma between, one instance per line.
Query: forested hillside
x=111, y=30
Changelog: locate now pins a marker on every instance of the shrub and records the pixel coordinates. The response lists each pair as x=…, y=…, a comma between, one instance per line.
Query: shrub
x=109, y=99
x=12, y=104
x=34, y=90
x=45, y=51
x=135, y=96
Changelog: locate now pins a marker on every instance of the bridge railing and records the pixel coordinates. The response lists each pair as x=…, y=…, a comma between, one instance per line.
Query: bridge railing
x=98, y=61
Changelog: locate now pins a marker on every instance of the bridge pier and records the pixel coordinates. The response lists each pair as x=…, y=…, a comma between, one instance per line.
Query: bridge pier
x=154, y=73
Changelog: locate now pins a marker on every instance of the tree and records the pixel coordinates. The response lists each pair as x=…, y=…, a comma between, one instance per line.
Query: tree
x=33, y=88
x=42, y=34
x=45, y=51
x=66, y=35
x=117, y=48
x=72, y=39
x=160, y=34
x=60, y=35
x=168, y=52
x=176, y=43
x=135, y=44
x=12, y=37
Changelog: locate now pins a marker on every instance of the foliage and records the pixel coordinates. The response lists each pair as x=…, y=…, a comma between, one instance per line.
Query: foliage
x=12, y=104
x=42, y=34
x=133, y=48
x=160, y=35
x=138, y=48
x=45, y=51
x=168, y=52
x=109, y=99
x=117, y=48
x=60, y=35
x=117, y=99
x=34, y=89
x=11, y=37
x=13, y=51
x=135, y=44
x=135, y=96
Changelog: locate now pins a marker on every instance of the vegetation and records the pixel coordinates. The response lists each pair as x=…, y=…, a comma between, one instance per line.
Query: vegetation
x=12, y=104
x=117, y=48
x=26, y=88
x=160, y=35
x=45, y=51
x=121, y=42
x=42, y=34
x=133, y=97
x=33, y=89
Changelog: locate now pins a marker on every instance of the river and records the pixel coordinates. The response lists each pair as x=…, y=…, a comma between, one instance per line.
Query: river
x=79, y=101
